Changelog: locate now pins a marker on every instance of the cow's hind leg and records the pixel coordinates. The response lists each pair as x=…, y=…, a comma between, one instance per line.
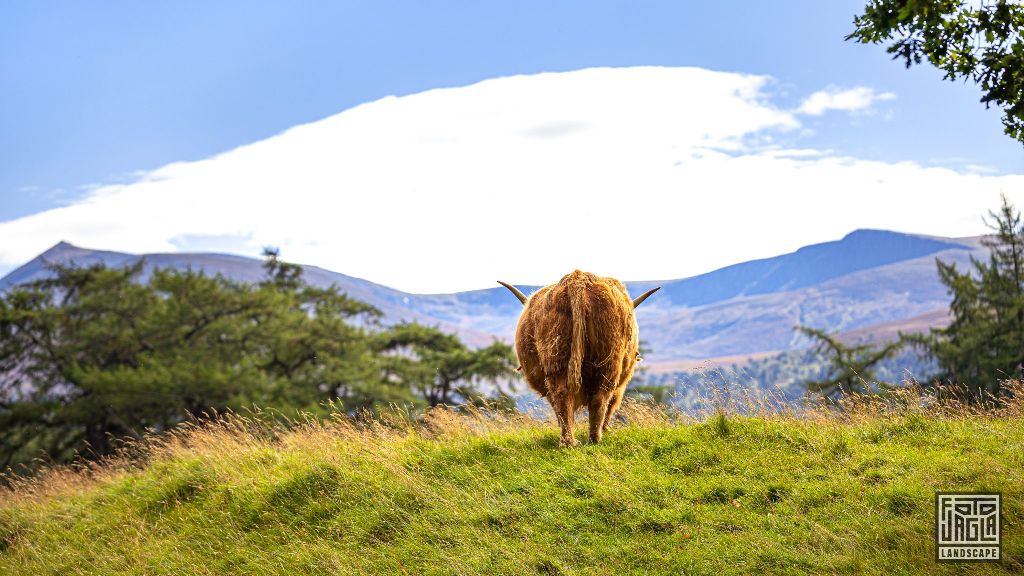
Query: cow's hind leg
x=614, y=400
x=598, y=409
x=565, y=411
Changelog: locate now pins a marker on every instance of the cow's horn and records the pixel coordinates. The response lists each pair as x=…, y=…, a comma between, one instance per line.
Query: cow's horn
x=520, y=295
x=640, y=299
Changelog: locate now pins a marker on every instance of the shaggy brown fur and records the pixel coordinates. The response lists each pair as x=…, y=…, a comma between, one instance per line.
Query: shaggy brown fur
x=578, y=343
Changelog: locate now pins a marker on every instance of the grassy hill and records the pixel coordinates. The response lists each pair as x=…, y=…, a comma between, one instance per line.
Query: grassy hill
x=773, y=491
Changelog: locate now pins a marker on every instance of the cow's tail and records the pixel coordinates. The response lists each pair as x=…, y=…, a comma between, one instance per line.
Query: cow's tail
x=577, y=303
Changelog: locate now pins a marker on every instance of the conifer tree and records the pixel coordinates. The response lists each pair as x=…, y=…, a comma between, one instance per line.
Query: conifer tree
x=92, y=354
x=851, y=368
x=439, y=367
x=984, y=344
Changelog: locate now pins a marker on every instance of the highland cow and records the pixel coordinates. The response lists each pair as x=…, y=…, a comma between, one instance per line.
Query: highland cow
x=578, y=344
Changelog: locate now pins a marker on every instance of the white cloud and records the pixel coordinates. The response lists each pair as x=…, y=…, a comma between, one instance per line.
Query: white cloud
x=638, y=173
x=857, y=99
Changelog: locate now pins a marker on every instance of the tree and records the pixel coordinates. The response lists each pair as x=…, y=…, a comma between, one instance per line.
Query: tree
x=317, y=343
x=439, y=367
x=282, y=275
x=969, y=40
x=91, y=354
x=851, y=367
x=984, y=344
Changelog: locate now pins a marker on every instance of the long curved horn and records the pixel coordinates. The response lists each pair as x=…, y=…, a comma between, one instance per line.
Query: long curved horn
x=640, y=299
x=520, y=295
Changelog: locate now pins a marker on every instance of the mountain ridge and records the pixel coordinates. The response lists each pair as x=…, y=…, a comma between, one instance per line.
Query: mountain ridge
x=868, y=277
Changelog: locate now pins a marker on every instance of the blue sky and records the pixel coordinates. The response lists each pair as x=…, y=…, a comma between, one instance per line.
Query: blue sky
x=94, y=92
x=99, y=94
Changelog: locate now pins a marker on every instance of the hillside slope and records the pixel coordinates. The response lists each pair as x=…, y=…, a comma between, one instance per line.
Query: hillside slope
x=493, y=495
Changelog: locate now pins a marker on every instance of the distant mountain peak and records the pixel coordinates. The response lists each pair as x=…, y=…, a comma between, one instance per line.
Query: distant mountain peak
x=867, y=232
x=875, y=234
x=880, y=246
x=862, y=249
x=62, y=252
x=61, y=246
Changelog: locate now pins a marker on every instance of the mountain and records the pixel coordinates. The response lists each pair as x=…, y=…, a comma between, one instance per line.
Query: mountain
x=396, y=305
x=752, y=323
x=808, y=266
x=869, y=281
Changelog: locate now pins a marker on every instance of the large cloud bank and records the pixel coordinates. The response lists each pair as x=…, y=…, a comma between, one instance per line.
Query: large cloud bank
x=640, y=173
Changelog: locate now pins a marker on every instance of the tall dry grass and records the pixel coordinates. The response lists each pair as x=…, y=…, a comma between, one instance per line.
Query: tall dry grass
x=341, y=435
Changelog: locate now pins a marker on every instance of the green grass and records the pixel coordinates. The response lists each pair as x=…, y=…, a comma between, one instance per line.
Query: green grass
x=471, y=495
